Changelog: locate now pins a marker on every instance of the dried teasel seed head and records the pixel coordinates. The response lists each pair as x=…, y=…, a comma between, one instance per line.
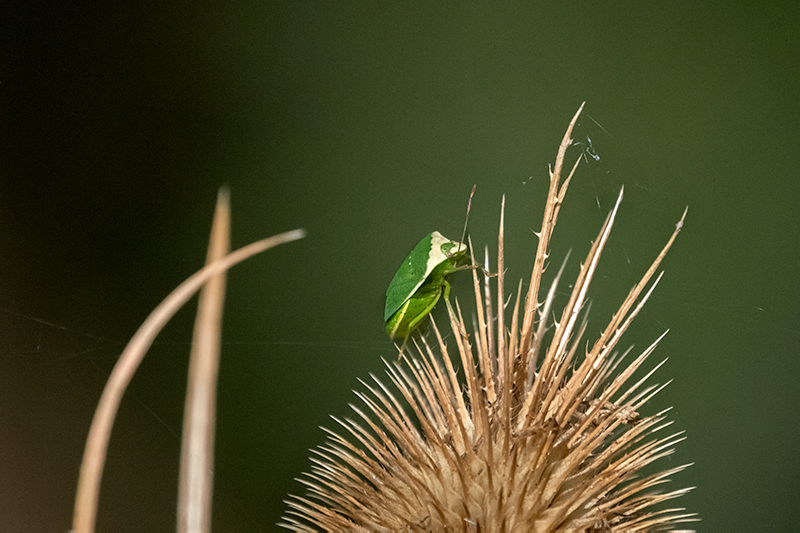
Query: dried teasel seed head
x=529, y=438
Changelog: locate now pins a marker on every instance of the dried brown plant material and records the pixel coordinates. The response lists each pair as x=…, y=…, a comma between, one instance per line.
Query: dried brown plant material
x=193, y=508
x=529, y=438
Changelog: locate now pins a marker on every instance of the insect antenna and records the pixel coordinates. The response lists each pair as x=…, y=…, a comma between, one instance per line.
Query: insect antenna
x=469, y=205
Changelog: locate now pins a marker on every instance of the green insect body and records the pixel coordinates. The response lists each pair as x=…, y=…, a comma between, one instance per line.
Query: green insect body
x=420, y=281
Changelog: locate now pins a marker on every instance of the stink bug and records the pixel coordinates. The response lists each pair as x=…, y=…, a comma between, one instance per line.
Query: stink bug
x=420, y=281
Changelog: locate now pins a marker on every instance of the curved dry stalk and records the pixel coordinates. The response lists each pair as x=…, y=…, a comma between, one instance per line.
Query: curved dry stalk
x=514, y=443
x=94, y=454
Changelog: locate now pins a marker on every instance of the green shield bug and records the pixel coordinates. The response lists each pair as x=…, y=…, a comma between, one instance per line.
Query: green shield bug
x=420, y=281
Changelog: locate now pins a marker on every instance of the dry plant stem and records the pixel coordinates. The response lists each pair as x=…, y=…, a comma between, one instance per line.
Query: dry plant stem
x=564, y=329
x=540, y=330
x=614, y=330
x=491, y=396
x=94, y=454
x=554, y=199
x=504, y=358
x=196, y=478
x=490, y=318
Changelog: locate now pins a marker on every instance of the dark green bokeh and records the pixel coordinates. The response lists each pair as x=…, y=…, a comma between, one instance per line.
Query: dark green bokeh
x=367, y=124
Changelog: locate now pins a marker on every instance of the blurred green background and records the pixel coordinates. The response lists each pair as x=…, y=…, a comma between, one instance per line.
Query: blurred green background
x=367, y=124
